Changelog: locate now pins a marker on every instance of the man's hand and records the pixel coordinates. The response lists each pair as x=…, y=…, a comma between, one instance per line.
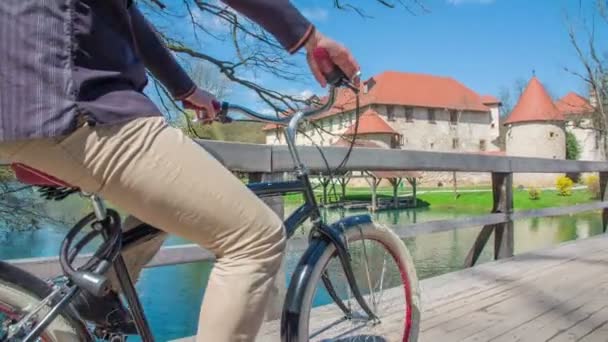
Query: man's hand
x=337, y=53
x=204, y=104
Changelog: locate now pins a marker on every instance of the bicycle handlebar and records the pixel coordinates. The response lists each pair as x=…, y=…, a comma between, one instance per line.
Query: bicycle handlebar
x=334, y=76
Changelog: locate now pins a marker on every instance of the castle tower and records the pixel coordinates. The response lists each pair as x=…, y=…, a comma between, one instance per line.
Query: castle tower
x=535, y=128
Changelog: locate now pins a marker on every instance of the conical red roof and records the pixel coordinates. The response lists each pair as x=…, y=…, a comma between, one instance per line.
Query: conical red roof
x=573, y=103
x=371, y=123
x=535, y=105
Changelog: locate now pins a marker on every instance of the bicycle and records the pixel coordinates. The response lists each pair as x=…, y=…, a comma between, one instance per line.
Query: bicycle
x=32, y=309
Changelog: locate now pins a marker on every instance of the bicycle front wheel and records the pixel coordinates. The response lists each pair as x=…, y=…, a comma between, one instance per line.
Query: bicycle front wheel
x=387, y=279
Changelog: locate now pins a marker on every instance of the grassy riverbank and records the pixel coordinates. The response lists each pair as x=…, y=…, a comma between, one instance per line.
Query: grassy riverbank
x=471, y=199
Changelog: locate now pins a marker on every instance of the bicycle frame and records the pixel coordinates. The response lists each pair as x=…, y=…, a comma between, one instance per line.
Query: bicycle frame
x=321, y=236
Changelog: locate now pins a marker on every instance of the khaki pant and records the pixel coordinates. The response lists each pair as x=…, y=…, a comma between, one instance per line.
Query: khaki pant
x=160, y=176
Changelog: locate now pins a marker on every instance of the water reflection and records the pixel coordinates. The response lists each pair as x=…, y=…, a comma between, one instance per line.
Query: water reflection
x=171, y=295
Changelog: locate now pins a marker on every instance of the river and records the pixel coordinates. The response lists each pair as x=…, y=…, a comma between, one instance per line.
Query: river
x=171, y=295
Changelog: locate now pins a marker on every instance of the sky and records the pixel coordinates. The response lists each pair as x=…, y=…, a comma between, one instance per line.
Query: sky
x=485, y=44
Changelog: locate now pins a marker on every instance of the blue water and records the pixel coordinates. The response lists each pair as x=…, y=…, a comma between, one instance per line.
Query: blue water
x=171, y=295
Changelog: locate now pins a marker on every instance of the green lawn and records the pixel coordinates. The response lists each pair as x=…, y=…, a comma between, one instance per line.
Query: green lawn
x=482, y=201
x=470, y=201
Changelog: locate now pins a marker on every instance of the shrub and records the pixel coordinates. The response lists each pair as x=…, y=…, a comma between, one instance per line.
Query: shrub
x=593, y=185
x=564, y=186
x=573, y=148
x=534, y=193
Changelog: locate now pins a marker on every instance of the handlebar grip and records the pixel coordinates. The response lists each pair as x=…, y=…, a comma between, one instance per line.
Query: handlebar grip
x=222, y=111
x=331, y=71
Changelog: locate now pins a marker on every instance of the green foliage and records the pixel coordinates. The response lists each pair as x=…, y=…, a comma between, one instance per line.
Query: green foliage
x=6, y=174
x=564, y=186
x=573, y=149
x=593, y=185
x=246, y=132
x=534, y=193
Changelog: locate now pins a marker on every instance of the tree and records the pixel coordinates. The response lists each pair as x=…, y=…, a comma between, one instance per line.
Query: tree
x=592, y=69
x=508, y=102
x=254, y=53
x=573, y=149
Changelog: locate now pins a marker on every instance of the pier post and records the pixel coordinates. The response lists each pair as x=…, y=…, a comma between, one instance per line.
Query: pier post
x=502, y=187
x=604, y=197
x=502, y=191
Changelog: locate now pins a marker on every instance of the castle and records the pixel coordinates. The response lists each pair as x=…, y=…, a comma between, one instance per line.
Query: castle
x=537, y=127
x=412, y=111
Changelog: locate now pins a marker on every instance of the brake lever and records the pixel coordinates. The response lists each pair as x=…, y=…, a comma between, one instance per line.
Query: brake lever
x=222, y=112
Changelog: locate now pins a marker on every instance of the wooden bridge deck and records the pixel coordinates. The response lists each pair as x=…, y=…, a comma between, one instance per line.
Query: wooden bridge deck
x=558, y=294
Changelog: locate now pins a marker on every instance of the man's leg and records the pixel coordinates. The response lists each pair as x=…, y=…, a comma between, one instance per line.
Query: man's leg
x=162, y=177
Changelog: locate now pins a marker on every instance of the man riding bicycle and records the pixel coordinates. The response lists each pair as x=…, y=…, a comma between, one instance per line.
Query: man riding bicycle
x=72, y=105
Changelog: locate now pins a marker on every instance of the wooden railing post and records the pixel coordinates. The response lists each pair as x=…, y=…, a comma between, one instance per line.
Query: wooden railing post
x=502, y=191
x=503, y=233
x=604, y=197
x=279, y=289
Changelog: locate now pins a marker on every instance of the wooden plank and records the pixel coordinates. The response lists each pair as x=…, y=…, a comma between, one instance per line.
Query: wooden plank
x=559, y=293
x=270, y=158
x=405, y=160
x=438, y=226
x=502, y=185
x=47, y=267
x=240, y=156
x=604, y=197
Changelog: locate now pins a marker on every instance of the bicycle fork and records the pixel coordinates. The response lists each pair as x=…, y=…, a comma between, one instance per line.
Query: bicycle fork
x=335, y=238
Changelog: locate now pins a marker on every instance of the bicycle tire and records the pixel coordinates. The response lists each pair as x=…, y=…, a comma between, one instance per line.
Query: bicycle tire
x=398, y=251
x=20, y=290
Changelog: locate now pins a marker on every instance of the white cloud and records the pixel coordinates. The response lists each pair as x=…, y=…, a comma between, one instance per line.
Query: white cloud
x=462, y=2
x=315, y=13
x=305, y=94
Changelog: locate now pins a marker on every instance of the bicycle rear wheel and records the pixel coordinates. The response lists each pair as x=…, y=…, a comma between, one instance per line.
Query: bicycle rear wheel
x=19, y=293
x=386, y=277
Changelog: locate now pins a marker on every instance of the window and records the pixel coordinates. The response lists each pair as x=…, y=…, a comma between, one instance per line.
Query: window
x=340, y=121
x=351, y=117
x=431, y=115
x=409, y=114
x=454, y=143
x=330, y=123
x=482, y=145
x=390, y=112
x=432, y=145
x=453, y=117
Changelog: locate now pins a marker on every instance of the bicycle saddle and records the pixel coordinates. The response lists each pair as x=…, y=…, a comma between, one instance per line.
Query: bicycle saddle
x=29, y=175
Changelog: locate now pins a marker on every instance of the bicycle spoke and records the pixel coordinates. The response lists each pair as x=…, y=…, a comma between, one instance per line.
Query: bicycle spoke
x=369, y=279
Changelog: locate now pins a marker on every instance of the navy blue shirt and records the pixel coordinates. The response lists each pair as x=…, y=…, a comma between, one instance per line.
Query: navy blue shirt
x=61, y=60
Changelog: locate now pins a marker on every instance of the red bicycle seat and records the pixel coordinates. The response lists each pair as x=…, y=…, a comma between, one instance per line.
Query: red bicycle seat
x=31, y=176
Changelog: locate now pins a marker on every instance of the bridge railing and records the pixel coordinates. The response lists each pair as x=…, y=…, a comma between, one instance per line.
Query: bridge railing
x=265, y=162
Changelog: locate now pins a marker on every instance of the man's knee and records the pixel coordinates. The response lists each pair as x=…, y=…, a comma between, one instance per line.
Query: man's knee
x=265, y=244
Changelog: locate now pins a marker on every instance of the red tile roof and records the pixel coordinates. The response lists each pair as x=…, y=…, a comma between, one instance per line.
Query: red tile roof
x=573, y=103
x=535, y=104
x=489, y=100
x=370, y=123
x=409, y=89
x=416, y=90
